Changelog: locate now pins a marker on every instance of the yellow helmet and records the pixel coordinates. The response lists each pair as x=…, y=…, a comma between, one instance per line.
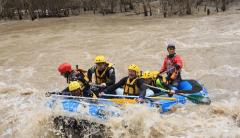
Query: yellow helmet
x=100, y=59
x=147, y=75
x=155, y=74
x=134, y=68
x=74, y=85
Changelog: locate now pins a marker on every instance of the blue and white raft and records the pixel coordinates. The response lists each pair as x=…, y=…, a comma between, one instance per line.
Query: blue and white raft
x=104, y=108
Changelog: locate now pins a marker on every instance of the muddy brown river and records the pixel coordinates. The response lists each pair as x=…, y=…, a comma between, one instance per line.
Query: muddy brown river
x=31, y=51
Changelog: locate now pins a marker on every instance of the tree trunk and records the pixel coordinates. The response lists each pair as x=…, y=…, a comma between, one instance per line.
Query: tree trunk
x=145, y=9
x=131, y=5
x=150, y=9
x=208, y=12
x=216, y=5
x=188, y=8
x=223, y=5
x=112, y=6
x=19, y=14
x=120, y=6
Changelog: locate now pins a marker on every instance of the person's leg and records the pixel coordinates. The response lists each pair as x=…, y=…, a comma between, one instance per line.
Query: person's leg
x=149, y=92
x=119, y=91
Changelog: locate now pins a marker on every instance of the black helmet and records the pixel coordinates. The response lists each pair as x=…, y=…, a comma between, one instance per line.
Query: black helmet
x=171, y=46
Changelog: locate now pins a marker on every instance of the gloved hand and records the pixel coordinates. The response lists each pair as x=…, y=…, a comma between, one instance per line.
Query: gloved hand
x=48, y=94
x=140, y=100
x=103, y=85
x=170, y=93
x=101, y=94
x=177, y=66
x=91, y=83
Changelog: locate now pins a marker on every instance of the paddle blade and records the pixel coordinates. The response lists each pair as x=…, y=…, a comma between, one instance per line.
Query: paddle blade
x=198, y=99
x=162, y=98
x=123, y=101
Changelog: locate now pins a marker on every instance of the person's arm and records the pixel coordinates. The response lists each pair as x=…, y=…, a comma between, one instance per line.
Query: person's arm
x=90, y=72
x=112, y=77
x=178, y=62
x=156, y=91
x=164, y=66
x=142, y=88
x=112, y=88
x=65, y=92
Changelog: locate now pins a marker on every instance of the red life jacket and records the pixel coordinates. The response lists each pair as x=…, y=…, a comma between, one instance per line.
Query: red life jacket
x=169, y=64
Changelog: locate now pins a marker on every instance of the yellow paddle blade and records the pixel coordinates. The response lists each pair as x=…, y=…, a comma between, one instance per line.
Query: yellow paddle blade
x=162, y=98
x=123, y=101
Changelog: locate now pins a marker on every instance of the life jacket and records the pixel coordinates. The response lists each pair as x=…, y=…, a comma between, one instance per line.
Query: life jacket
x=153, y=83
x=82, y=86
x=130, y=88
x=71, y=76
x=170, y=64
x=83, y=73
x=155, y=74
x=77, y=75
x=171, y=61
x=174, y=75
x=102, y=78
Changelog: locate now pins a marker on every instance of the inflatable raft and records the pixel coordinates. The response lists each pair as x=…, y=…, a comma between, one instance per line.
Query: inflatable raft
x=99, y=108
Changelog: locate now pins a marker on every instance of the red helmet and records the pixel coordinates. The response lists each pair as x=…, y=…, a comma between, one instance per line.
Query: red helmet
x=65, y=67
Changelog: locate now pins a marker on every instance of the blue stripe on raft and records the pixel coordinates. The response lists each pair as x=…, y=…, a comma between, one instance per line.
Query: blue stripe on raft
x=70, y=105
x=184, y=85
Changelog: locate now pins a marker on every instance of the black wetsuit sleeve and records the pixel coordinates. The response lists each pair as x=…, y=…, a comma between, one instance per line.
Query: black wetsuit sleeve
x=156, y=91
x=65, y=92
x=87, y=93
x=90, y=72
x=112, y=77
x=142, y=88
x=111, y=89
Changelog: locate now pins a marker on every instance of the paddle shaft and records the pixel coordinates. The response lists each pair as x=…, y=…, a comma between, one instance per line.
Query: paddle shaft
x=89, y=98
x=168, y=92
x=165, y=90
x=166, y=71
x=130, y=96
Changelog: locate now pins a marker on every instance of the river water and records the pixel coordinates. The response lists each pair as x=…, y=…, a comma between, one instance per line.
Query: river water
x=31, y=51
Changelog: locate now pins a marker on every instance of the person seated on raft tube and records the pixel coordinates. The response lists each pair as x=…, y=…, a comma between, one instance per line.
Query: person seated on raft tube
x=77, y=88
x=133, y=84
x=172, y=65
x=150, y=79
x=67, y=72
x=192, y=86
x=154, y=79
x=73, y=75
x=162, y=82
x=104, y=72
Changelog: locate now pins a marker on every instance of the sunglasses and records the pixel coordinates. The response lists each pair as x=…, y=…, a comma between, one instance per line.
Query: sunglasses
x=171, y=48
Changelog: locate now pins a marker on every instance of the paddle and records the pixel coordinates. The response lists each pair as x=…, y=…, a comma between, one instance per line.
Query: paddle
x=116, y=100
x=166, y=71
x=198, y=99
x=128, y=96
